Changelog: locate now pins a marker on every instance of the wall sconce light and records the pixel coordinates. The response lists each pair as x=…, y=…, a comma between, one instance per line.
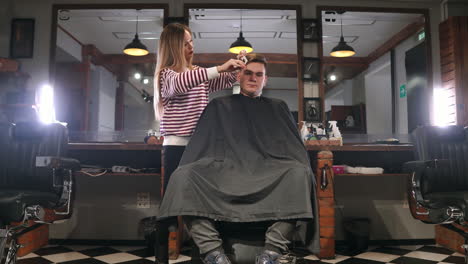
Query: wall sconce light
x=240, y=44
x=342, y=49
x=136, y=48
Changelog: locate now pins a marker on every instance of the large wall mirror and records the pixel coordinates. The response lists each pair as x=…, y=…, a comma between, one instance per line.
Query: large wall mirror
x=102, y=93
x=384, y=89
x=272, y=31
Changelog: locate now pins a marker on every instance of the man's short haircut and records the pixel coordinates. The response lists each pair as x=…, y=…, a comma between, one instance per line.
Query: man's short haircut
x=256, y=57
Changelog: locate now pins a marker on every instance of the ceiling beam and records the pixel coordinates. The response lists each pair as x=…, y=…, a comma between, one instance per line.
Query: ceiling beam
x=399, y=37
x=349, y=61
x=220, y=58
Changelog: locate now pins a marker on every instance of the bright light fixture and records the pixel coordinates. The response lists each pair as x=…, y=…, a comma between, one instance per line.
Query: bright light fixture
x=137, y=76
x=45, y=104
x=136, y=48
x=342, y=49
x=441, y=107
x=240, y=44
x=333, y=77
x=145, y=81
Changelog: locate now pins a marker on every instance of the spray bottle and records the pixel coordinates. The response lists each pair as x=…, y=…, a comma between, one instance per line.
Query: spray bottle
x=335, y=132
x=304, y=131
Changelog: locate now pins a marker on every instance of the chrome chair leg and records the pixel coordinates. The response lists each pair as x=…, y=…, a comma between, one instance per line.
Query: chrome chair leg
x=465, y=248
x=4, y=234
x=11, y=255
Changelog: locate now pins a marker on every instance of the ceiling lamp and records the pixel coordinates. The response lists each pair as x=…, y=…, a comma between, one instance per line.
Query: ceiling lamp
x=240, y=44
x=136, y=48
x=342, y=49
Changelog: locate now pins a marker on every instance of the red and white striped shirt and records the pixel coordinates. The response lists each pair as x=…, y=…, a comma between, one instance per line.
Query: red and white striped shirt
x=185, y=96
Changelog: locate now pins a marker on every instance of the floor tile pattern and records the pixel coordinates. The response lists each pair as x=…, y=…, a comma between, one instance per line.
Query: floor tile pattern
x=80, y=254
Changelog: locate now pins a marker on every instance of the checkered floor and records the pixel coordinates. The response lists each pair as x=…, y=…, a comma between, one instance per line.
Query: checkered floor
x=76, y=254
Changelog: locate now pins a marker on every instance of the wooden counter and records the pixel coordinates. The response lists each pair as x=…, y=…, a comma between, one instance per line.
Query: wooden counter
x=363, y=147
x=113, y=146
x=143, y=146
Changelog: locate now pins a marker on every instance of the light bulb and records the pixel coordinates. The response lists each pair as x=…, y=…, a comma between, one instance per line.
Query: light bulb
x=145, y=81
x=333, y=77
x=137, y=76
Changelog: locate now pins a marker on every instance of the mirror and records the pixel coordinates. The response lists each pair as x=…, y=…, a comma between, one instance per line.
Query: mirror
x=271, y=32
x=376, y=91
x=100, y=92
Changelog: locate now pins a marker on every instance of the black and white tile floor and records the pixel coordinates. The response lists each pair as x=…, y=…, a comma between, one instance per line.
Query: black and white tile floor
x=77, y=254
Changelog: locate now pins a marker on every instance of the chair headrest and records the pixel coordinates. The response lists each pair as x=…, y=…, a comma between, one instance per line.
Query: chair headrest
x=449, y=133
x=28, y=131
x=34, y=131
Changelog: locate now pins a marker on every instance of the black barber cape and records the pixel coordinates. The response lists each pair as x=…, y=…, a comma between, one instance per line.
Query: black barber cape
x=245, y=162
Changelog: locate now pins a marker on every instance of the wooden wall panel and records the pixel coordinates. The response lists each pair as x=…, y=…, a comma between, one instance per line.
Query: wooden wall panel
x=454, y=67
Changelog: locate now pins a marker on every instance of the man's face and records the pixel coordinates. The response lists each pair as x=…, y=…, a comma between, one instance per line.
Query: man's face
x=252, y=79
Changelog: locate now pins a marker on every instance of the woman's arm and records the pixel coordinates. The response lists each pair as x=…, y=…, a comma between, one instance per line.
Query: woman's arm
x=225, y=80
x=174, y=83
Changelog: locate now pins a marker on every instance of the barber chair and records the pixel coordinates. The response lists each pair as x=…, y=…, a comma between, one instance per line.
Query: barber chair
x=438, y=189
x=36, y=182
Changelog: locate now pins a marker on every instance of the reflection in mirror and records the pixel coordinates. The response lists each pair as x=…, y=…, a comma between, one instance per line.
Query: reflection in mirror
x=271, y=32
x=381, y=89
x=102, y=93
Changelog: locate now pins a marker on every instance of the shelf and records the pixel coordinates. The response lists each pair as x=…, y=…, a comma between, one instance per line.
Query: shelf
x=8, y=65
x=372, y=175
x=119, y=174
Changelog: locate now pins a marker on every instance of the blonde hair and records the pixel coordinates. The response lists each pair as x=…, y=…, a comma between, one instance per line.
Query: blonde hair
x=170, y=55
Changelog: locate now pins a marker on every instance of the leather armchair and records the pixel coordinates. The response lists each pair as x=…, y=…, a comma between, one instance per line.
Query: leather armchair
x=36, y=181
x=438, y=188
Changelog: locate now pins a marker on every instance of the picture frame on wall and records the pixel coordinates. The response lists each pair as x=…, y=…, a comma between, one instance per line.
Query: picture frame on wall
x=312, y=110
x=22, y=38
x=310, y=30
x=311, y=69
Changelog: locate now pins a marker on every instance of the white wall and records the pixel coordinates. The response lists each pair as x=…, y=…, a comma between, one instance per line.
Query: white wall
x=138, y=114
x=102, y=100
x=378, y=80
x=69, y=45
x=342, y=94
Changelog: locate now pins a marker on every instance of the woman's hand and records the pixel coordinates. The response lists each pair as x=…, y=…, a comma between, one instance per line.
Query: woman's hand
x=241, y=56
x=231, y=65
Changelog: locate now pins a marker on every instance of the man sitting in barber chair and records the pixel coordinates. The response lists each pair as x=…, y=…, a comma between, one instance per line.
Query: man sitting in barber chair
x=245, y=163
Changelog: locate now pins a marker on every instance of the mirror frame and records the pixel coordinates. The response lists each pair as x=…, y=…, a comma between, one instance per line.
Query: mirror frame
x=297, y=8
x=427, y=30
x=53, y=37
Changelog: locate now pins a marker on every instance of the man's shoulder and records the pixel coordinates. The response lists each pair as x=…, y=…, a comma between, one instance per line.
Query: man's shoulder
x=221, y=99
x=234, y=97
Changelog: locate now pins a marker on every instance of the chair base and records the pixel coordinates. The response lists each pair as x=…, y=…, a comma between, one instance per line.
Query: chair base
x=454, y=237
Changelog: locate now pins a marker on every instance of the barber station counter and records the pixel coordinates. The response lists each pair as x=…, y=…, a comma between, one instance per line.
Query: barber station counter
x=390, y=157
x=387, y=156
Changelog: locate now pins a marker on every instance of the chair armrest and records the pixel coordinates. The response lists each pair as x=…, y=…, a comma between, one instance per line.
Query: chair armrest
x=425, y=210
x=418, y=169
x=57, y=163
